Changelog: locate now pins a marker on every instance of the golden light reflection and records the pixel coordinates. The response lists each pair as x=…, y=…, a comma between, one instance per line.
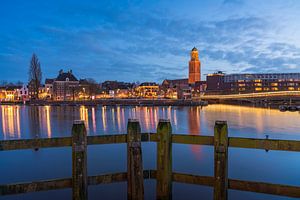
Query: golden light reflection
x=48, y=123
x=156, y=116
x=104, y=122
x=132, y=113
x=175, y=118
x=113, y=116
x=169, y=113
x=138, y=112
x=84, y=115
x=194, y=128
x=11, y=121
x=94, y=119
x=119, y=118
x=146, y=117
x=151, y=119
x=123, y=119
x=261, y=119
x=163, y=113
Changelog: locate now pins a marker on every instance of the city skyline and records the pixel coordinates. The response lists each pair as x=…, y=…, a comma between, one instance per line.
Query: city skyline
x=105, y=41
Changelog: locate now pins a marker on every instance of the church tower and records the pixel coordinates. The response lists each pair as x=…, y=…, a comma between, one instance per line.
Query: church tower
x=194, y=67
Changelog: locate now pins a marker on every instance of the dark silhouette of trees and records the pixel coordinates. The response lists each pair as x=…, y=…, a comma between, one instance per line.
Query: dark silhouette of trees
x=35, y=75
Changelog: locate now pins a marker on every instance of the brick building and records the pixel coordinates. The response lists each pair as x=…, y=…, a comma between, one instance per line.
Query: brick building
x=65, y=86
x=194, y=67
x=220, y=83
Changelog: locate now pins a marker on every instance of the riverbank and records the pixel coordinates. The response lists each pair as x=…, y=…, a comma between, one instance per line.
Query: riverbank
x=259, y=103
x=113, y=102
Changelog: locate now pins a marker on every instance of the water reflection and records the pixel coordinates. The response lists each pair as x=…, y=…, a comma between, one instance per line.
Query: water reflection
x=84, y=116
x=193, y=121
x=10, y=117
x=34, y=122
x=104, y=118
x=47, y=121
x=56, y=121
x=259, y=121
x=94, y=119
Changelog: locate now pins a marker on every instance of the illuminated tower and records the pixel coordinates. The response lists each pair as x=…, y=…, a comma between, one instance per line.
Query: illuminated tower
x=194, y=67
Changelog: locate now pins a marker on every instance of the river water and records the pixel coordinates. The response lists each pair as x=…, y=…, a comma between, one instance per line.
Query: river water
x=246, y=164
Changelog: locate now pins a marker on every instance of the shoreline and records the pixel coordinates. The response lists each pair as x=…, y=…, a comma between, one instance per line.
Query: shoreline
x=141, y=102
x=112, y=102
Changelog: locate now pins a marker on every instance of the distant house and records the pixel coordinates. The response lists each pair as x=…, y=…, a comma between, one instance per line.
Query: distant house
x=49, y=87
x=200, y=87
x=115, y=85
x=32, y=94
x=65, y=86
x=23, y=93
x=88, y=89
x=116, y=89
x=31, y=90
x=147, y=90
x=12, y=93
x=2, y=93
x=175, y=83
x=174, y=88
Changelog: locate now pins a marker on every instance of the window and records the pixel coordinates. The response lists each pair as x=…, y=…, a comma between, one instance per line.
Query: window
x=274, y=84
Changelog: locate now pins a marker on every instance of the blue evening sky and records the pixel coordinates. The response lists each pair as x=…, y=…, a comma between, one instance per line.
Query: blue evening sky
x=148, y=40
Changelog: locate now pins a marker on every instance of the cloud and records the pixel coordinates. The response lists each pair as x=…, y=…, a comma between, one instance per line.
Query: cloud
x=232, y=2
x=110, y=40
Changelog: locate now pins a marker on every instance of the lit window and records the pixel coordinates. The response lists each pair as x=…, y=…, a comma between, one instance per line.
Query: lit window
x=274, y=84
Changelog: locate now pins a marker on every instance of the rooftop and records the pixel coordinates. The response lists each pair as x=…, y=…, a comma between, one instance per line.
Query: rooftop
x=63, y=76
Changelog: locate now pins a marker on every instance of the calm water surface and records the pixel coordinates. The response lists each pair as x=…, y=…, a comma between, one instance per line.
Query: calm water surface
x=49, y=121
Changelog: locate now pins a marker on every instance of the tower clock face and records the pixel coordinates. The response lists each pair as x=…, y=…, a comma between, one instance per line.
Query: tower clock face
x=194, y=55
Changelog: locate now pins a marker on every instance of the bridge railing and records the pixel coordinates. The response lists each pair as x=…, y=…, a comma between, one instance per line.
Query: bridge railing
x=163, y=174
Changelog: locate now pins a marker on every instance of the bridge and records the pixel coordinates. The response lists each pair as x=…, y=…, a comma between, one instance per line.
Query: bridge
x=278, y=96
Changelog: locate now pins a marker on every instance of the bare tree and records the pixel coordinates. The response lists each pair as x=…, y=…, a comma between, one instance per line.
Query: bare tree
x=35, y=75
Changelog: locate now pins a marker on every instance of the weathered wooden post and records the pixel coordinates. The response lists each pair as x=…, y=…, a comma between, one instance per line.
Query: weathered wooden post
x=135, y=177
x=164, y=161
x=79, y=161
x=221, y=160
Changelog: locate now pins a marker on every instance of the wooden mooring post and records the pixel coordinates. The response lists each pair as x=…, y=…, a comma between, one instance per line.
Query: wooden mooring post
x=164, y=161
x=135, y=177
x=221, y=160
x=79, y=161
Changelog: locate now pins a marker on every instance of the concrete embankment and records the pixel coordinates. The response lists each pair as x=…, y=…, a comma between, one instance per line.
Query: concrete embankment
x=113, y=102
